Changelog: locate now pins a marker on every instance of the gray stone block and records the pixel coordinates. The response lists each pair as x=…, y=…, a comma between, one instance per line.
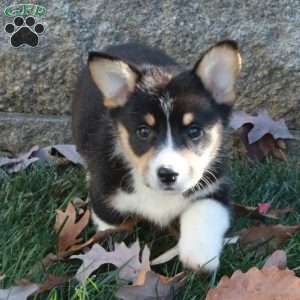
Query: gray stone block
x=41, y=80
x=18, y=132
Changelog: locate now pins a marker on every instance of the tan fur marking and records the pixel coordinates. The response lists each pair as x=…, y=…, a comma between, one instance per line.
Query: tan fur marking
x=206, y=154
x=149, y=119
x=187, y=119
x=139, y=162
x=110, y=102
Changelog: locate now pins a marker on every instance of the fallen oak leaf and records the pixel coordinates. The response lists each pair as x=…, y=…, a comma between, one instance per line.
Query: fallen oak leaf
x=67, y=151
x=269, y=283
x=262, y=124
x=68, y=229
x=99, y=236
x=123, y=257
x=260, y=149
x=261, y=135
x=22, y=161
x=277, y=259
x=155, y=286
x=270, y=236
x=266, y=231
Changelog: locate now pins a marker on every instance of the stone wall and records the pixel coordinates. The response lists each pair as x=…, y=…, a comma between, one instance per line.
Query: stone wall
x=36, y=84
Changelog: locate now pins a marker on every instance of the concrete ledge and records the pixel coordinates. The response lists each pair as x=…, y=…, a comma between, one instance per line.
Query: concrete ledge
x=18, y=132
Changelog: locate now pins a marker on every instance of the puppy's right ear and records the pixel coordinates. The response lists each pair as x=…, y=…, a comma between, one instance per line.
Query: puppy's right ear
x=114, y=78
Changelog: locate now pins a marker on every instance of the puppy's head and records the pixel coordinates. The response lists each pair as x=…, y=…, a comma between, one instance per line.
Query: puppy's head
x=169, y=127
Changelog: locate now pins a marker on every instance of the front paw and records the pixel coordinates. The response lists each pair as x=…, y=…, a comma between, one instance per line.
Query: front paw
x=199, y=258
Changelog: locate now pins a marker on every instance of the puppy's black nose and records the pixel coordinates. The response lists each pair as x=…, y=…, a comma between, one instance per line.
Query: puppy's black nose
x=167, y=176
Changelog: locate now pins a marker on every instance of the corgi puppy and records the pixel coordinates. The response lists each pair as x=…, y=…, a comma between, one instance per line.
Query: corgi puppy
x=152, y=136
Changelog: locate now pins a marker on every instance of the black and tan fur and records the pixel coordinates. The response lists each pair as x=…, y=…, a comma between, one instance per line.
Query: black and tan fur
x=151, y=134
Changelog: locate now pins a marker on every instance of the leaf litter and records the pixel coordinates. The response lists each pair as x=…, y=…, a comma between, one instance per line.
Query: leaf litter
x=262, y=124
x=123, y=257
x=261, y=135
x=134, y=266
x=68, y=228
x=58, y=154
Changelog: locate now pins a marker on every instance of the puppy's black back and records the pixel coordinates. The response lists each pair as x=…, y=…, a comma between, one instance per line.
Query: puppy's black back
x=139, y=55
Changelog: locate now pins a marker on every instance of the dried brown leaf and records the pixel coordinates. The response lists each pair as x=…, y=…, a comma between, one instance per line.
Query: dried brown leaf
x=267, y=237
x=99, y=236
x=267, y=145
x=270, y=283
x=154, y=286
x=68, y=229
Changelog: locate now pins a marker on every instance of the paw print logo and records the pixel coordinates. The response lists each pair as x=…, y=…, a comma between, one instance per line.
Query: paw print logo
x=24, y=32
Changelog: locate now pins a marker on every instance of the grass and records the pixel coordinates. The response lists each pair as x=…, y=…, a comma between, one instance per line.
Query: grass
x=29, y=200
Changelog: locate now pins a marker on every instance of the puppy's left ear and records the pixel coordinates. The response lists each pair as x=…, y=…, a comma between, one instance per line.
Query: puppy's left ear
x=218, y=70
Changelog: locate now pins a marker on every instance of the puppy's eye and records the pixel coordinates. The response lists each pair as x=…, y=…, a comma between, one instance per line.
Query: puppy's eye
x=143, y=132
x=194, y=132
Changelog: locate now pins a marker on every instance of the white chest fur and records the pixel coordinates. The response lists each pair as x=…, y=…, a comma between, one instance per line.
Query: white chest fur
x=157, y=206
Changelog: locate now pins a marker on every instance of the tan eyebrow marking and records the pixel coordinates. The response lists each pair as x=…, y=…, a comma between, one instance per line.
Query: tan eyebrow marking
x=187, y=119
x=149, y=119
